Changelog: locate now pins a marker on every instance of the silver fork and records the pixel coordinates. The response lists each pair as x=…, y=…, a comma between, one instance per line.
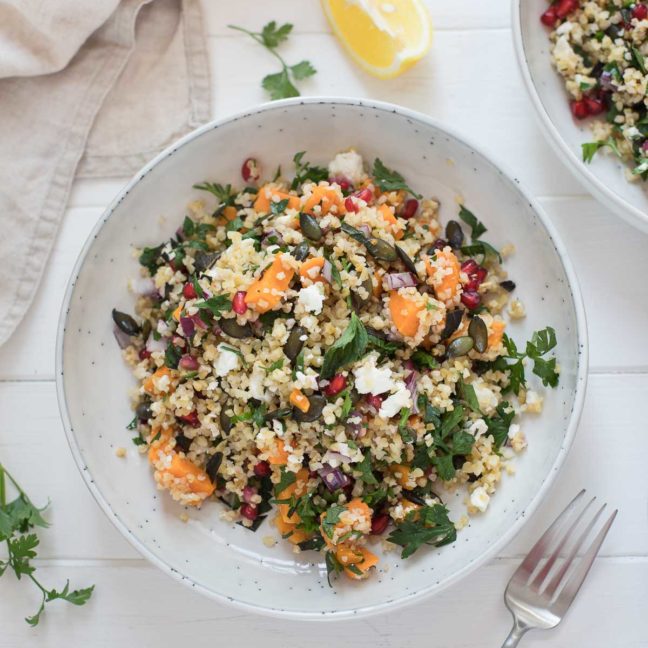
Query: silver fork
x=542, y=588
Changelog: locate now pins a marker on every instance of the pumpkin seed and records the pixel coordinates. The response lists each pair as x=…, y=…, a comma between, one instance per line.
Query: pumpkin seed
x=407, y=262
x=213, y=465
x=204, y=260
x=357, y=300
x=508, y=285
x=183, y=443
x=460, y=346
x=310, y=227
x=232, y=328
x=295, y=344
x=225, y=420
x=453, y=320
x=143, y=411
x=380, y=249
x=281, y=413
x=125, y=323
x=479, y=333
x=300, y=252
x=454, y=234
x=317, y=404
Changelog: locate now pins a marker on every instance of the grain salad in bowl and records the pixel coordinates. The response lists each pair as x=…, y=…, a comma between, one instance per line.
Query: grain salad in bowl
x=321, y=356
x=600, y=48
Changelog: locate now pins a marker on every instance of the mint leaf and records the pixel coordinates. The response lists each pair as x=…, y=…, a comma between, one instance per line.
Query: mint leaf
x=348, y=348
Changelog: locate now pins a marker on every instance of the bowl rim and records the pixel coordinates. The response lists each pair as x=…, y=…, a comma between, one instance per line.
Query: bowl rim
x=593, y=184
x=350, y=613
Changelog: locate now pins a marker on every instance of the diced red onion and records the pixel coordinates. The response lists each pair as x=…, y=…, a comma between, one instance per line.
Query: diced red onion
x=248, y=493
x=365, y=229
x=270, y=233
x=331, y=457
x=196, y=319
x=327, y=271
x=410, y=383
x=155, y=346
x=333, y=478
x=163, y=328
x=188, y=362
x=178, y=341
x=606, y=81
x=123, y=339
x=355, y=430
x=396, y=280
x=188, y=326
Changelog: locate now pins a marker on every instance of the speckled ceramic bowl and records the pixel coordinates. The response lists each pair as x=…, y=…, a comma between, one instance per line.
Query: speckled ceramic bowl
x=605, y=177
x=226, y=561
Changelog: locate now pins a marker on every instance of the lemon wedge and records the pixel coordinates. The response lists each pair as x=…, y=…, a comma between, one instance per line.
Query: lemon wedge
x=384, y=37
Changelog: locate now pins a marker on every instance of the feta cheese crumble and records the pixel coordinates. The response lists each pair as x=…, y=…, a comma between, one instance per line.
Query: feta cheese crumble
x=225, y=362
x=312, y=298
x=479, y=498
x=370, y=379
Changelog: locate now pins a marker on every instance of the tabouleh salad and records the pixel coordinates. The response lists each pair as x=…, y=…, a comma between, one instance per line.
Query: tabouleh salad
x=600, y=47
x=321, y=352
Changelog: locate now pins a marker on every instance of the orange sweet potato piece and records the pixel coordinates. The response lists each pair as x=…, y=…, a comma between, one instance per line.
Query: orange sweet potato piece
x=279, y=457
x=297, y=488
x=448, y=285
x=182, y=468
x=266, y=194
x=369, y=560
x=296, y=535
x=497, y=333
x=307, y=267
x=325, y=197
x=300, y=401
x=401, y=472
x=404, y=314
x=396, y=228
x=266, y=292
x=149, y=384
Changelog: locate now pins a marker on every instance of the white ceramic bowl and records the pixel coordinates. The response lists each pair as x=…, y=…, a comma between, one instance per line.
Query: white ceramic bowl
x=226, y=561
x=605, y=176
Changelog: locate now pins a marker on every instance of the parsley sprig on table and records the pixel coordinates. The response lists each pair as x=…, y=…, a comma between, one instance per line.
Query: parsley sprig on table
x=279, y=85
x=17, y=518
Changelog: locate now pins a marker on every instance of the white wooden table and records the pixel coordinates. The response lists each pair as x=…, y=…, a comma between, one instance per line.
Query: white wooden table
x=469, y=80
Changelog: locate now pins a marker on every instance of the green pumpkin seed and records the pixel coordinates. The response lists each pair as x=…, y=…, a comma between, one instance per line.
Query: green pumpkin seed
x=407, y=262
x=453, y=320
x=125, y=323
x=317, y=404
x=225, y=420
x=295, y=344
x=213, y=465
x=310, y=227
x=143, y=410
x=232, y=328
x=381, y=250
x=204, y=260
x=300, y=252
x=454, y=234
x=277, y=414
x=479, y=333
x=358, y=301
x=460, y=346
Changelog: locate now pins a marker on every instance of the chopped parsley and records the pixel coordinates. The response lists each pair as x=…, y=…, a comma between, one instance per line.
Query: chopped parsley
x=425, y=525
x=388, y=180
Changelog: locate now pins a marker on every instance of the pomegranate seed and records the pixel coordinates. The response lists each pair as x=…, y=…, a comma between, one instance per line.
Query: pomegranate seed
x=249, y=511
x=565, y=7
x=188, y=362
x=470, y=299
x=189, y=291
x=365, y=194
x=480, y=274
x=250, y=170
x=644, y=146
x=144, y=353
x=379, y=524
x=343, y=183
x=640, y=12
x=262, y=469
x=374, y=401
x=472, y=285
x=409, y=208
x=238, y=303
x=248, y=493
x=594, y=106
x=469, y=267
x=337, y=384
x=579, y=109
x=350, y=205
x=549, y=17
x=191, y=419
x=439, y=244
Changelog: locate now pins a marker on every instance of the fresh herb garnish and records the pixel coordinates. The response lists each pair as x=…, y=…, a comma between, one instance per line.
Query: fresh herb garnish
x=638, y=59
x=348, y=348
x=331, y=518
x=423, y=359
x=388, y=180
x=149, y=258
x=215, y=305
x=279, y=85
x=17, y=518
x=366, y=474
x=235, y=351
x=468, y=396
x=306, y=172
x=498, y=425
x=224, y=193
x=277, y=364
x=385, y=348
x=477, y=228
x=425, y=525
x=286, y=479
x=333, y=566
x=172, y=356
x=591, y=148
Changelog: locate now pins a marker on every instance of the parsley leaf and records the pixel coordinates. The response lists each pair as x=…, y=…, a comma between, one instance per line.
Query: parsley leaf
x=286, y=479
x=306, y=172
x=17, y=518
x=172, y=356
x=348, y=348
x=388, y=180
x=366, y=474
x=149, y=258
x=476, y=226
x=423, y=359
x=468, y=396
x=224, y=193
x=638, y=59
x=279, y=85
x=498, y=426
x=331, y=518
x=215, y=305
x=426, y=525
x=591, y=148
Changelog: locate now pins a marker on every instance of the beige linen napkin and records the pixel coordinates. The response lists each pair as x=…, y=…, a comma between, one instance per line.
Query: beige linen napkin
x=95, y=87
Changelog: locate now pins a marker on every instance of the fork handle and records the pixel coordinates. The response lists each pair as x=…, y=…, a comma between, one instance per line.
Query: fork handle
x=517, y=632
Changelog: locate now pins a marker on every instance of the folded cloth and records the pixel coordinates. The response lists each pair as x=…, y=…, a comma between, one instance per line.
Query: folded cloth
x=97, y=88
